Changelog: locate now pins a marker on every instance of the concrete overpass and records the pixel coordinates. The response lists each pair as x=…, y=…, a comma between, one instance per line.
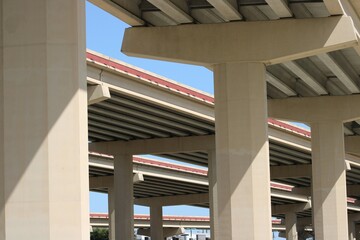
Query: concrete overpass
x=307, y=71
x=101, y=220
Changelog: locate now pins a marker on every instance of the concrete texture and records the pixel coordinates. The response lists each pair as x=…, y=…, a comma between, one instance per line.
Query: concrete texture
x=242, y=152
x=156, y=222
x=43, y=121
x=190, y=43
x=124, y=197
x=329, y=181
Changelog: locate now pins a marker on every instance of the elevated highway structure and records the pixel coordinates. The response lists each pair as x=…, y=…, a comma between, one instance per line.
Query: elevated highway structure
x=289, y=60
x=170, y=184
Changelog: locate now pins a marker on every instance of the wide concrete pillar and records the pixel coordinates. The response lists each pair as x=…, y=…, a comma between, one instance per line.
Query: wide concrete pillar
x=290, y=224
x=156, y=222
x=111, y=212
x=242, y=152
x=124, y=194
x=329, y=181
x=213, y=203
x=44, y=185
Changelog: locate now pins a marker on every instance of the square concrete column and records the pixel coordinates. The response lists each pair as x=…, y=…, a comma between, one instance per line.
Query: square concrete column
x=124, y=197
x=212, y=194
x=242, y=152
x=44, y=185
x=329, y=181
x=111, y=212
x=156, y=222
x=290, y=223
x=352, y=230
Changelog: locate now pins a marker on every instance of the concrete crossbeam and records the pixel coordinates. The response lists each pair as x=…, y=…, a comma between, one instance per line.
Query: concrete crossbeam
x=316, y=109
x=353, y=190
x=107, y=181
x=352, y=145
x=156, y=146
x=187, y=43
x=174, y=200
x=290, y=171
x=289, y=208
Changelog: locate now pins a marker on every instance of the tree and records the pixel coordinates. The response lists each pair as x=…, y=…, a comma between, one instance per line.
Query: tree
x=99, y=234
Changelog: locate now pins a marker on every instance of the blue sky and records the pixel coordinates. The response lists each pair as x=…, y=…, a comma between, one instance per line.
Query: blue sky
x=104, y=34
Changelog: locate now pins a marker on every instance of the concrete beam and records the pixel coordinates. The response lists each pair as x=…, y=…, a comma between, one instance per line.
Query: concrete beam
x=187, y=199
x=354, y=217
x=295, y=39
x=353, y=190
x=227, y=9
x=342, y=75
x=120, y=12
x=287, y=208
x=279, y=84
x=291, y=171
x=316, y=109
x=306, y=77
x=280, y=7
x=173, y=11
x=157, y=145
x=107, y=181
x=352, y=145
x=290, y=196
x=334, y=7
x=97, y=93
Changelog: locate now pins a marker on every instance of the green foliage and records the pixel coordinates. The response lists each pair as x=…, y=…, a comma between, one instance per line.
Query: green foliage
x=99, y=234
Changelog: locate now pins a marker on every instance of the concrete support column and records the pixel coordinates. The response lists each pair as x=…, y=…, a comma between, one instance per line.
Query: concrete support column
x=329, y=181
x=212, y=193
x=352, y=230
x=243, y=177
x=44, y=186
x=124, y=197
x=111, y=212
x=156, y=223
x=290, y=223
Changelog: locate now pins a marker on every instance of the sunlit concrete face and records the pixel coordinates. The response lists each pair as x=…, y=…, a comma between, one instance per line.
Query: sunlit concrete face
x=242, y=153
x=123, y=197
x=329, y=181
x=43, y=163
